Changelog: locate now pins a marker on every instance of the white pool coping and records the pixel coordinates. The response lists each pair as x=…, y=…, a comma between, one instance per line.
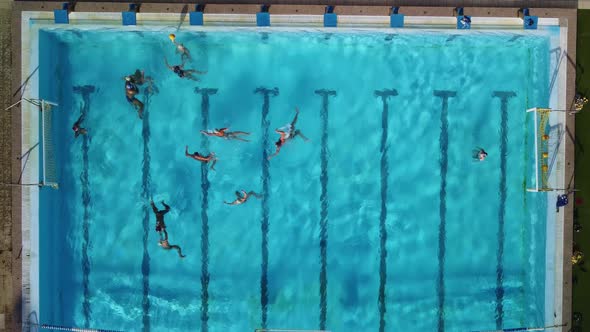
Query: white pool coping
x=32, y=21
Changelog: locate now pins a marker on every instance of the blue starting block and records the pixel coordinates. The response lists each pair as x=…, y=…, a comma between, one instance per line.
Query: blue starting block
x=330, y=18
x=263, y=17
x=396, y=20
x=130, y=17
x=463, y=22
x=196, y=17
x=530, y=22
x=62, y=16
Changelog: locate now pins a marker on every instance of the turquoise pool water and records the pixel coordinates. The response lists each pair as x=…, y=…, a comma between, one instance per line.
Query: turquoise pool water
x=381, y=222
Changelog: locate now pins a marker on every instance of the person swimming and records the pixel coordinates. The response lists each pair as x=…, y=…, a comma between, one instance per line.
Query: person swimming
x=166, y=245
x=479, y=154
x=242, y=196
x=184, y=73
x=223, y=133
x=78, y=130
x=139, y=79
x=160, y=225
x=184, y=52
x=131, y=90
x=204, y=159
x=287, y=132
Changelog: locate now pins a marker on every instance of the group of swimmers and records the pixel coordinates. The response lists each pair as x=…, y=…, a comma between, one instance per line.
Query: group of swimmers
x=286, y=134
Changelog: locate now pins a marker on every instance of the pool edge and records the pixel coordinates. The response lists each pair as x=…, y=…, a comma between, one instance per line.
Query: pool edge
x=569, y=15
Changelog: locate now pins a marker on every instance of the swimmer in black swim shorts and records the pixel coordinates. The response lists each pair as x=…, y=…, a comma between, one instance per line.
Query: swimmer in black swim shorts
x=131, y=90
x=184, y=73
x=160, y=225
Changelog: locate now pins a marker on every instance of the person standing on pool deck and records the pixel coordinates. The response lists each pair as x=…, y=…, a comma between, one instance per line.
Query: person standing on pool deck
x=166, y=245
x=130, y=91
x=242, y=196
x=204, y=159
x=183, y=73
x=223, y=133
x=160, y=225
x=288, y=132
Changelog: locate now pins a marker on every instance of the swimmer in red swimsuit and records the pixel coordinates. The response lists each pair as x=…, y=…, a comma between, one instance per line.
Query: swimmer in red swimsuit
x=288, y=132
x=204, y=159
x=223, y=133
x=78, y=130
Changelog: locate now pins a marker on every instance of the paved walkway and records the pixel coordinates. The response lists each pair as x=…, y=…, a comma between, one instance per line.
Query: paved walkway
x=6, y=247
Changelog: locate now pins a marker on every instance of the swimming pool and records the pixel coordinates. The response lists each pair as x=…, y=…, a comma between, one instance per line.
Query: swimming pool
x=382, y=219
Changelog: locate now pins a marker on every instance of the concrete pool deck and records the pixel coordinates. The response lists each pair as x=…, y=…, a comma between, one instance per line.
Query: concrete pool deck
x=11, y=285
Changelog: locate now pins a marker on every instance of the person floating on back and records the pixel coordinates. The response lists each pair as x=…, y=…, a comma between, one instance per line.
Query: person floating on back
x=160, y=225
x=242, y=196
x=166, y=245
x=131, y=90
x=204, y=159
x=78, y=130
x=287, y=132
x=223, y=133
x=184, y=73
x=479, y=154
x=180, y=48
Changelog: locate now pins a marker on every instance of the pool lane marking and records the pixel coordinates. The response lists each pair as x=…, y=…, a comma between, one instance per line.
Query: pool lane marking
x=325, y=94
x=264, y=222
x=384, y=95
x=86, y=201
x=444, y=147
x=146, y=195
x=504, y=97
x=205, y=93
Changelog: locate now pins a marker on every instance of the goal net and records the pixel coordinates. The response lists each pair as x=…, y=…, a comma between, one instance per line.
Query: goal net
x=538, y=118
x=48, y=157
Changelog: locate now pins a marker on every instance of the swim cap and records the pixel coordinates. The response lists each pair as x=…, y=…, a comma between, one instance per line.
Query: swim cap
x=172, y=37
x=127, y=78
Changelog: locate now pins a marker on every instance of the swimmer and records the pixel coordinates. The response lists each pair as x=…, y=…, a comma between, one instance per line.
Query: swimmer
x=204, y=159
x=288, y=132
x=184, y=52
x=77, y=129
x=184, y=73
x=139, y=78
x=223, y=133
x=166, y=245
x=479, y=154
x=130, y=91
x=242, y=196
x=160, y=225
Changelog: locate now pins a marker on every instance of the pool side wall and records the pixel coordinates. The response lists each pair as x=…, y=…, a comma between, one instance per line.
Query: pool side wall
x=25, y=201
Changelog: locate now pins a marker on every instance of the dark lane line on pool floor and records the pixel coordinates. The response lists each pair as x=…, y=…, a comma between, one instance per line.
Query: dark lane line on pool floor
x=384, y=95
x=146, y=195
x=264, y=124
x=444, y=147
x=85, y=91
x=504, y=97
x=205, y=184
x=325, y=94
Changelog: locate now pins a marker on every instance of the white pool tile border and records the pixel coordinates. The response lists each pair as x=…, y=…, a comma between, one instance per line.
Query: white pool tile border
x=32, y=21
